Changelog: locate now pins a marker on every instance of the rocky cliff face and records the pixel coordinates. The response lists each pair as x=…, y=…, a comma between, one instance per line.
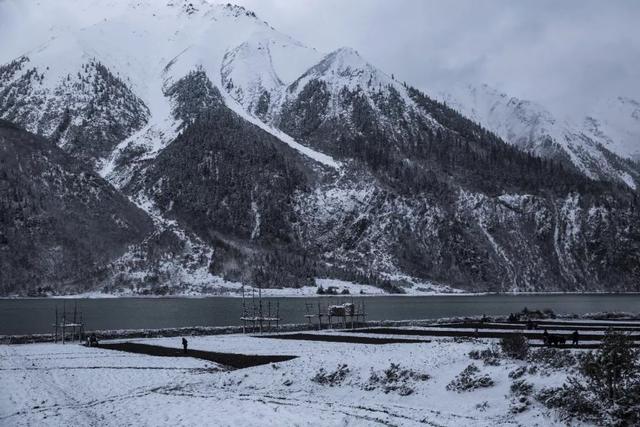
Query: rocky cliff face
x=258, y=160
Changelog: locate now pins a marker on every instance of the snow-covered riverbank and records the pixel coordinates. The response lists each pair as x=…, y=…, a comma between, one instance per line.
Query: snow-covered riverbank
x=53, y=384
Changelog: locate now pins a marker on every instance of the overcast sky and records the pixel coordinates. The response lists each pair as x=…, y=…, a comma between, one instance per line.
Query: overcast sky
x=564, y=54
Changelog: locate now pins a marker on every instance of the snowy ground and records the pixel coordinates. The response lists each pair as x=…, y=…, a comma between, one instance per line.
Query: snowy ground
x=52, y=384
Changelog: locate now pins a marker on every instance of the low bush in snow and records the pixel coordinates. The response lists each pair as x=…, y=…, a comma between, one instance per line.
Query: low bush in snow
x=518, y=372
x=482, y=407
x=520, y=391
x=521, y=388
x=470, y=379
x=515, y=346
x=331, y=378
x=490, y=356
x=395, y=379
x=553, y=358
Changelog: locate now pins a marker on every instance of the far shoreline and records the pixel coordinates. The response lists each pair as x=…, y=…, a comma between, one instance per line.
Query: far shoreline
x=100, y=296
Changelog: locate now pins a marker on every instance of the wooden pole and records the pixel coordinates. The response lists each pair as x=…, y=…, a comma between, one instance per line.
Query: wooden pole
x=81, y=327
x=64, y=325
x=75, y=322
x=244, y=313
x=260, y=316
x=253, y=308
x=364, y=315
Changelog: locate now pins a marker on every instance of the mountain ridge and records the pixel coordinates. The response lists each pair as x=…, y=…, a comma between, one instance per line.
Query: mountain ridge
x=535, y=129
x=260, y=161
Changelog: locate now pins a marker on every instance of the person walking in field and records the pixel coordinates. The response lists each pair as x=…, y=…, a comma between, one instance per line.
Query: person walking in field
x=575, y=337
x=185, y=343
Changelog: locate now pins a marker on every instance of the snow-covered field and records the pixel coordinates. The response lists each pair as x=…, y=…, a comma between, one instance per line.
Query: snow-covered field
x=52, y=384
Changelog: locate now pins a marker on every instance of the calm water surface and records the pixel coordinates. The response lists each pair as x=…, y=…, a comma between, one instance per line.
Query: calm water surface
x=26, y=316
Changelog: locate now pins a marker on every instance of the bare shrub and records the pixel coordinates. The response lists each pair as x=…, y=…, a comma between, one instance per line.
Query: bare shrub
x=489, y=356
x=331, y=378
x=553, y=358
x=395, y=379
x=518, y=372
x=515, y=346
x=470, y=379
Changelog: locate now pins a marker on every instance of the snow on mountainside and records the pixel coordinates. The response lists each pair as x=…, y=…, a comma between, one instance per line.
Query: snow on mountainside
x=615, y=122
x=262, y=66
x=534, y=129
x=147, y=45
x=334, y=82
x=344, y=70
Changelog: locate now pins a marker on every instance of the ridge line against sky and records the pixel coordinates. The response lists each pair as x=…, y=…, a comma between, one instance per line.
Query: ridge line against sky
x=565, y=55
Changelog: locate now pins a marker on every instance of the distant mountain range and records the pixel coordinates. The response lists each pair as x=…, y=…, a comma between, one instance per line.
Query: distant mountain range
x=605, y=146
x=225, y=152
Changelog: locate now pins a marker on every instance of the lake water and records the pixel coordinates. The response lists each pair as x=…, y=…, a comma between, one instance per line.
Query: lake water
x=27, y=316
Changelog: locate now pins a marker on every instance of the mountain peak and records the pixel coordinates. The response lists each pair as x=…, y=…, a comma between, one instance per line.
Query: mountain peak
x=345, y=51
x=237, y=11
x=345, y=67
x=346, y=58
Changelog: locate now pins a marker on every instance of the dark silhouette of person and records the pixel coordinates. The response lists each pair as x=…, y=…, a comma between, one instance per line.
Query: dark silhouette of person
x=185, y=343
x=545, y=337
x=93, y=340
x=575, y=337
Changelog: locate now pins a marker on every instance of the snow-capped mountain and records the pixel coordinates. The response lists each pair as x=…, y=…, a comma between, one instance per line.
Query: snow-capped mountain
x=144, y=47
x=597, y=148
x=259, y=160
x=334, y=88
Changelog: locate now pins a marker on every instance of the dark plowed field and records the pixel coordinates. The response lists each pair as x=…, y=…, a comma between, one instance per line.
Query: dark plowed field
x=236, y=361
x=344, y=338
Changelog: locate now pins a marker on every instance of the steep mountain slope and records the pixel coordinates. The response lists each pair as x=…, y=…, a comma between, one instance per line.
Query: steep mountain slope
x=60, y=223
x=264, y=162
x=230, y=182
x=87, y=113
x=534, y=129
x=616, y=124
